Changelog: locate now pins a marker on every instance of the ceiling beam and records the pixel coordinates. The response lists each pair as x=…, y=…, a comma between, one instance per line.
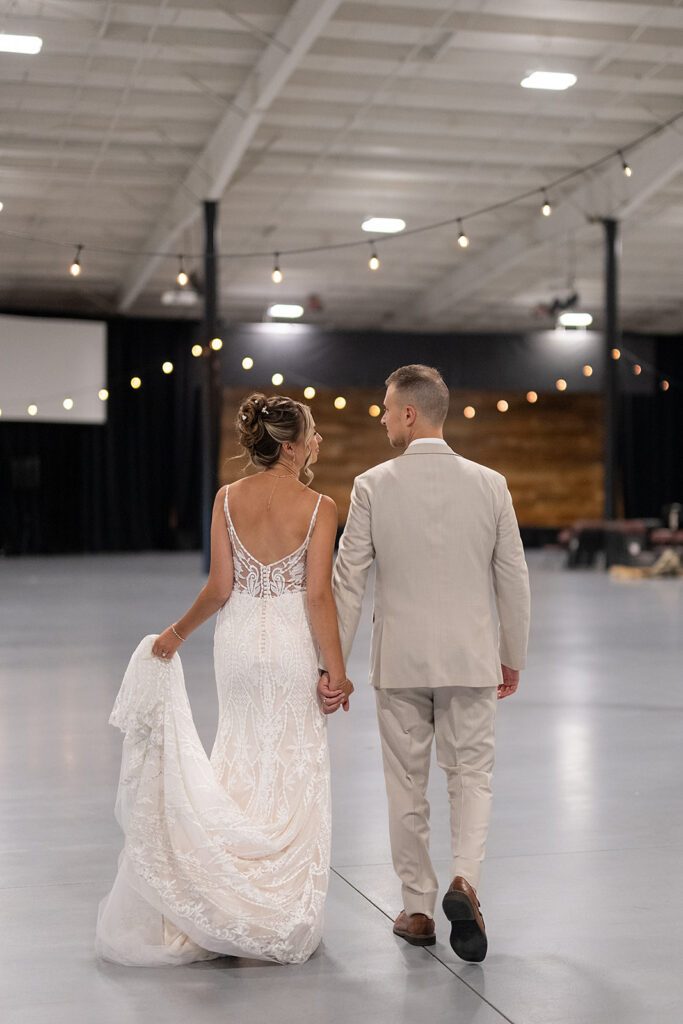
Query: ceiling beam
x=604, y=194
x=212, y=171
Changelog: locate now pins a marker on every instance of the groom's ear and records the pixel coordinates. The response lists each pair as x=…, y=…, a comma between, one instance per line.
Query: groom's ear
x=410, y=414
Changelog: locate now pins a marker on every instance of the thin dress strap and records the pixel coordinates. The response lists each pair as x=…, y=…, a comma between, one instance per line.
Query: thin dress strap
x=313, y=518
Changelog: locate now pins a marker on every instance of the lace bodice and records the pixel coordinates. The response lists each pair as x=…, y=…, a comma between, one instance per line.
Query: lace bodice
x=286, y=576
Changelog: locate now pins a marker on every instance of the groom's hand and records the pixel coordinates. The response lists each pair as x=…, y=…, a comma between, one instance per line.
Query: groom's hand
x=330, y=699
x=510, y=682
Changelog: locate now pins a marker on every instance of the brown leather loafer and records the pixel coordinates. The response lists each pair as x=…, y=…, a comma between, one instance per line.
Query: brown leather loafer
x=417, y=929
x=468, y=933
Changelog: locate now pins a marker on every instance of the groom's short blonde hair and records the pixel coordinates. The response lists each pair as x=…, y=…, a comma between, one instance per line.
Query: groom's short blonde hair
x=424, y=388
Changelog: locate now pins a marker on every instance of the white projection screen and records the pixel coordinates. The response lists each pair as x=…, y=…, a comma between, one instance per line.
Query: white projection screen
x=45, y=361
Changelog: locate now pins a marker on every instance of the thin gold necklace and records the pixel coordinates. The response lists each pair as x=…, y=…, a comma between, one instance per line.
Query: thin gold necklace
x=279, y=476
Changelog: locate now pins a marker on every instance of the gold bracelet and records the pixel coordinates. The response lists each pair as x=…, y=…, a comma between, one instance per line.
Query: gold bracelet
x=181, y=638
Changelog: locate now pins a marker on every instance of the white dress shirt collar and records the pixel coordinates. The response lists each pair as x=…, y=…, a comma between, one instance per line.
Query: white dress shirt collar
x=426, y=440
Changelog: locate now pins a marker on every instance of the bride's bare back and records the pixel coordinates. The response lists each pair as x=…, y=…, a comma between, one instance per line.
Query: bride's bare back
x=271, y=514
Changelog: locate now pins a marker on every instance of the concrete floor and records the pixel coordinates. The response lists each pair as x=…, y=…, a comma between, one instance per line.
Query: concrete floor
x=582, y=888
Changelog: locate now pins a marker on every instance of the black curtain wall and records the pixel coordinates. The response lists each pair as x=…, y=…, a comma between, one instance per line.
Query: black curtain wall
x=129, y=485
x=652, y=438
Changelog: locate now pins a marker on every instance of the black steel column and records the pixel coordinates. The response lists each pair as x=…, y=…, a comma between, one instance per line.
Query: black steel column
x=211, y=389
x=612, y=341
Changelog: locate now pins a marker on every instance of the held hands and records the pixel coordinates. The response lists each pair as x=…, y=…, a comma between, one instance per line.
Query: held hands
x=510, y=682
x=333, y=697
x=166, y=644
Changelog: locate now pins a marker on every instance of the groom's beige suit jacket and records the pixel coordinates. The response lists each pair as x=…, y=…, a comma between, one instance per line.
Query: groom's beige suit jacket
x=451, y=598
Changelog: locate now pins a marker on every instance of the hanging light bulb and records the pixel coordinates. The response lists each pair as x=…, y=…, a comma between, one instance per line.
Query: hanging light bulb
x=277, y=273
x=75, y=267
x=463, y=240
x=182, y=277
x=373, y=262
x=546, y=209
x=664, y=385
x=626, y=167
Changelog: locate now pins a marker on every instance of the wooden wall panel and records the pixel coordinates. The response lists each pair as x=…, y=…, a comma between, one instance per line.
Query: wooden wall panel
x=550, y=452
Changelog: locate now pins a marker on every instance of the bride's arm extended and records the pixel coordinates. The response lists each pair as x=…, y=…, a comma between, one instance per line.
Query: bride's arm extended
x=215, y=591
x=322, y=610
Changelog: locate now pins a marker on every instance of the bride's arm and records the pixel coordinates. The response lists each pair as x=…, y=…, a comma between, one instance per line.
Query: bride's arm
x=215, y=591
x=322, y=611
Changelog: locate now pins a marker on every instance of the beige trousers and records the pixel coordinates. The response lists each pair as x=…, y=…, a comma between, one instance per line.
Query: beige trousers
x=461, y=720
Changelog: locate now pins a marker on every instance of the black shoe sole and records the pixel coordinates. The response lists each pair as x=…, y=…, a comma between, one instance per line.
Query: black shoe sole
x=417, y=940
x=468, y=941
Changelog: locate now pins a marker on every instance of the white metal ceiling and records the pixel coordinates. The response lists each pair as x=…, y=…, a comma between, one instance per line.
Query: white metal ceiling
x=303, y=118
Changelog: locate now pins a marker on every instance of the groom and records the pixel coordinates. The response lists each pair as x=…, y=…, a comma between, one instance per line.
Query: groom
x=444, y=538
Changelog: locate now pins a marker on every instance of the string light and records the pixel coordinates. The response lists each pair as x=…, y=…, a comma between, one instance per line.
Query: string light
x=531, y=397
x=0, y=412
x=277, y=379
x=247, y=363
x=463, y=241
x=196, y=351
x=626, y=167
x=75, y=267
x=182, y=277
x=340, y=402
x=167, y=367
x=546, y=209
x=309, y=392
x=373, y=262
x=469, y=412
x=616, y=354
x=68, y=403
x=588, y=371
x=502, y=406
x=374, y=411
x=277, y=273
x=1, y=206
x=664, y=385
x=103, y=394
x=32, y=410
x=216, y=344
x=135, y=383
x=637, y=370
x=561, y=384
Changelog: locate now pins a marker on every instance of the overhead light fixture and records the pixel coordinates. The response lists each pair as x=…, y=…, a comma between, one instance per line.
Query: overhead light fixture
x=383, y=225
x=554, y=80
x=309, y=392
x=571, y=319
x=176, y=297
x=247, y=363
x=1, y=206
x=463, y=240
x=546, y=209
x=182, y=277
x=373, y=262
x=20, y=44
x=285, y=311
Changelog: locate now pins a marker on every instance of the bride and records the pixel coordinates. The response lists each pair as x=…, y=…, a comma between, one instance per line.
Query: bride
x=230, y=855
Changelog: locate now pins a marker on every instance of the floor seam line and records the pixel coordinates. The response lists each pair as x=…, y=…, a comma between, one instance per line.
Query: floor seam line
x=426, y=949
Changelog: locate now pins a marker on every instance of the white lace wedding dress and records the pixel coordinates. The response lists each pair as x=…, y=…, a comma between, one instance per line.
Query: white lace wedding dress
x=227, y=855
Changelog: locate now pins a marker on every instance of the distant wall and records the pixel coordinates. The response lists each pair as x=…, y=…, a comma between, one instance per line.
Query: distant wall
x=550, y=452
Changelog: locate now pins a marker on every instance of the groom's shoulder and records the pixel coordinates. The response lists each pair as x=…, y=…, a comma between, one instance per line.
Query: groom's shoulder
x=375, y=473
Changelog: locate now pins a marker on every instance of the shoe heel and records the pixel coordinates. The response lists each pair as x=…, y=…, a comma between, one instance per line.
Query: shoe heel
x=457, y=907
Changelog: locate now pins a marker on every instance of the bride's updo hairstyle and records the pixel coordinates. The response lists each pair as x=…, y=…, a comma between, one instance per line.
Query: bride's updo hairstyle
x=264, y=424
